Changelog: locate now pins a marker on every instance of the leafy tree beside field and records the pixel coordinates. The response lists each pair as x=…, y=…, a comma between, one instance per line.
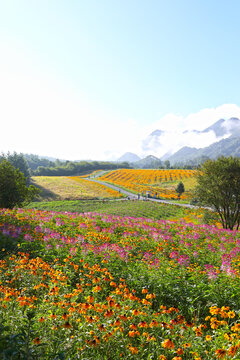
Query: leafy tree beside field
x=219, y=187
x=18, y=161
x=13, y=187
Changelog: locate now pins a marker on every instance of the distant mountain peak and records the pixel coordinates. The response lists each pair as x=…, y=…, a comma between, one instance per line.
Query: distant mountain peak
x=157, y=133
x=129, y=157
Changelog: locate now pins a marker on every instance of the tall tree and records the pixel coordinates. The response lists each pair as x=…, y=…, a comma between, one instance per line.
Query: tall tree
x=218, y=186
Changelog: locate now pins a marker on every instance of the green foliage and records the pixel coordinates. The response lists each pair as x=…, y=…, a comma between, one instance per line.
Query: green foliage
x=13, y=187
x=219, y=187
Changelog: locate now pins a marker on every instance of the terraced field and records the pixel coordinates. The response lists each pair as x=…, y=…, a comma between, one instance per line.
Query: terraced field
x=157, y=183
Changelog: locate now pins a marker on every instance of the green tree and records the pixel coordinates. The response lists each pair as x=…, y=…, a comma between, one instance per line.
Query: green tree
x=18, y=161
x=180, y=189
x=218, y=186
x=13, y=188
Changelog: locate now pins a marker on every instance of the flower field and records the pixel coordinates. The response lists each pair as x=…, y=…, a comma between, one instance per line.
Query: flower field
x=71, y=188
x=92, y=286
x=151, y=181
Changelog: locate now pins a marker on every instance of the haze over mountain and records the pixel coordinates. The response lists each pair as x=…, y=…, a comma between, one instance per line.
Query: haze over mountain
x=177, y=146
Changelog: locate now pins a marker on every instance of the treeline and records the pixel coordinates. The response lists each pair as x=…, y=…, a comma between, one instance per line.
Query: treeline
x=33, y=165
x=70, y=168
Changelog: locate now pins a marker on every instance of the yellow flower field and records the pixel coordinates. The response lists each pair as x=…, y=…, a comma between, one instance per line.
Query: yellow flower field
x=151, y=181
x=71, y=188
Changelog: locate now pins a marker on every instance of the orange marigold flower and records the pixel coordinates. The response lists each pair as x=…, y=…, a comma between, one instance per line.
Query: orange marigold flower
x=168, y=344
x=41, y=319
x=144, y=291
x=162, y=357
x=208, y=338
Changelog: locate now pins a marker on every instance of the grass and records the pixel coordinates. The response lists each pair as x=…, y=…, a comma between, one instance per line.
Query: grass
x=132, y=208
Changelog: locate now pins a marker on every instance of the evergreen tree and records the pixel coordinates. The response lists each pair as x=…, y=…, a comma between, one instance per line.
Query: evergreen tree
x=180, y=189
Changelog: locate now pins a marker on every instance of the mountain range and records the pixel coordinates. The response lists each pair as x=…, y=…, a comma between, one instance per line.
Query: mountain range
x=224, y=140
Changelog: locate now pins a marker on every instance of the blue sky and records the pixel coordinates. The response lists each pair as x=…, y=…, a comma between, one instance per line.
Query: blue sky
x=72, y=71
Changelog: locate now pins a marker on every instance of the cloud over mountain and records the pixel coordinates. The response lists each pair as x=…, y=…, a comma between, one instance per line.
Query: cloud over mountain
x=177, y=132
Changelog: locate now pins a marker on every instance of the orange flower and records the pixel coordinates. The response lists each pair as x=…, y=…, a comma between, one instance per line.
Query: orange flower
x=90, y=299
x=143, y=324
x=102, y=327
x=131, y=333
x=67, y=325
x=37, y=340
x=168, y=344
x=179, y=351
x=232, y=350
x=153, y=323
x=65, y=316
x=53, y=316
x=133, y=349
x=220, y=353
x=117, y=322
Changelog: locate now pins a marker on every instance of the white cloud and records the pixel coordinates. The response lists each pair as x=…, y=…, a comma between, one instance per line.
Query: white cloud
x=174, y=137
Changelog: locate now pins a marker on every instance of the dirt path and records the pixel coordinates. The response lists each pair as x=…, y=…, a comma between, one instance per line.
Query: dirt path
x=131, y=196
